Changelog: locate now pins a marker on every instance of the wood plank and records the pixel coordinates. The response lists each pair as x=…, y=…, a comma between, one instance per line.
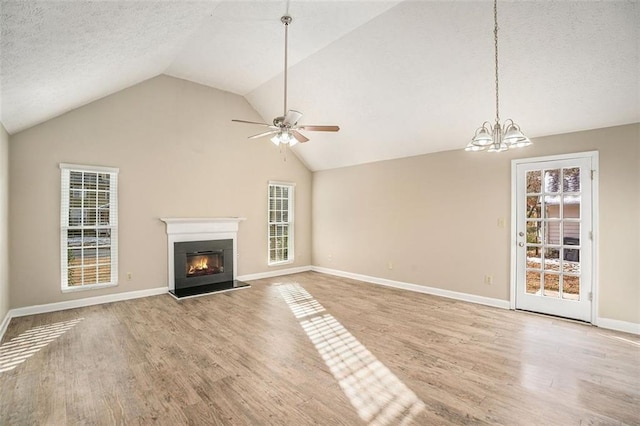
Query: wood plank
x=244, y=358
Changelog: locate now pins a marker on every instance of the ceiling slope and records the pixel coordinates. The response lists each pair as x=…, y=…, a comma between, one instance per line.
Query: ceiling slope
x=56, y=56
x=400, y=78
x=420, y=78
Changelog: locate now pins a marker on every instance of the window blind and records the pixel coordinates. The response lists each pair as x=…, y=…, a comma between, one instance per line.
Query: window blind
x=280, y=222
x=88, y=226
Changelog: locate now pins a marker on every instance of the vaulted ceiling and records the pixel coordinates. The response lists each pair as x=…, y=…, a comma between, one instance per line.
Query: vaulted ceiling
x=401, y=78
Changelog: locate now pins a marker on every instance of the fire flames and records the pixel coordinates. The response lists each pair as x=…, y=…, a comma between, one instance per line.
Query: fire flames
x=201, y=264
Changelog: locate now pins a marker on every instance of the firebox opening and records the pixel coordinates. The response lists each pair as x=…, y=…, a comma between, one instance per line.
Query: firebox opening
x=201, y=263
x=204, y=263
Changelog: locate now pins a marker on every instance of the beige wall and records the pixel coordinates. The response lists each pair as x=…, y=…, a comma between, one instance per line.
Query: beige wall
x=179, y=155
x=4, y=223
x=435, y=218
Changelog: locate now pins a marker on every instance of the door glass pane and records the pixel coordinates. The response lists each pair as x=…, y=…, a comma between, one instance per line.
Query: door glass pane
x=534, y=232
x=551, y=285
x=533, y=282
x=571, y=261
x=552, y=207
x=552, y=232
x=571, y=287
x=571, y=179
x=533, y=255
x=552, y=181
x=534, y=182
x=571, y=206
x=534, y=207
x=552, y=259
x=551, y=265
x=571, y=232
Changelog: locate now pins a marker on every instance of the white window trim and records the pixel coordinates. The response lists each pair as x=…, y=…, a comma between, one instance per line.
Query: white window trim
x=65, y=170
x=291, y=222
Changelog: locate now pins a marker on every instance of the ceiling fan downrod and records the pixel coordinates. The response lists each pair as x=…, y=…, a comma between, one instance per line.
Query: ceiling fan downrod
x=286, y=20
x=285, y=128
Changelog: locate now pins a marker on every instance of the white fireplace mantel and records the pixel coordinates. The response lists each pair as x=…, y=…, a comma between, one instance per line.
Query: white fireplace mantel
x=182, y=229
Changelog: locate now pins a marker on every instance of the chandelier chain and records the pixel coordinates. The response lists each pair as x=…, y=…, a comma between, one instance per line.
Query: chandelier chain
x=495, y=39
x=496, y=137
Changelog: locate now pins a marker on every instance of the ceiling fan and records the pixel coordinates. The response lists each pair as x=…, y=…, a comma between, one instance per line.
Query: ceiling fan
x=285, y=129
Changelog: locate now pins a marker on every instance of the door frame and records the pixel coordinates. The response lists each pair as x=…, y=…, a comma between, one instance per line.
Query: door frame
x=593, y=156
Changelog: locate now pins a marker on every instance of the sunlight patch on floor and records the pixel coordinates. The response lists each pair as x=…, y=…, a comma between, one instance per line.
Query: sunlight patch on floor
x=18, y=349
x=374, y=391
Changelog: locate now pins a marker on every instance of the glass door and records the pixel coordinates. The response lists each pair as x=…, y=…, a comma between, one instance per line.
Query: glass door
x=554, y=237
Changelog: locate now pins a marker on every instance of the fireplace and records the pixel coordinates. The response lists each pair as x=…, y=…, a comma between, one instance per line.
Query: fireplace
x=202, y=255
x=199, y=263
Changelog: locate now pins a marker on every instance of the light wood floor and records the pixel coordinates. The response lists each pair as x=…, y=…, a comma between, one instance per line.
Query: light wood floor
x=244, y=358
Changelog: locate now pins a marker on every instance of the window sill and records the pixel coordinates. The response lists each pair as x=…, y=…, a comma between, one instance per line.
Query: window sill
x=87, y=287
x=286, y=262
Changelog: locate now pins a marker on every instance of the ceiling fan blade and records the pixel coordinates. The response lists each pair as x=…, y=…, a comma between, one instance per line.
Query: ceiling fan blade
x=319, y=128
x=251, y=122
x=259, y=135
x=299, y=136
x=292, y=117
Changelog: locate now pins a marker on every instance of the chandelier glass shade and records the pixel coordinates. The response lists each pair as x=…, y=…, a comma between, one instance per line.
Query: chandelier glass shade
x=497, y=137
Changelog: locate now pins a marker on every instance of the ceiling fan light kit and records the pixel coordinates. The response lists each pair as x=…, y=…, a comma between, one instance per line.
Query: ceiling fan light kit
x=496, y=137
x=285, y=129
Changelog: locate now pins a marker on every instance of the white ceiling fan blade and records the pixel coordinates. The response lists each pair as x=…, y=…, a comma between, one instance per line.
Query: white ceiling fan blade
x=315, y=128
x=299, y=136
x=292, y=117
x=251, y=122
x=259, y=135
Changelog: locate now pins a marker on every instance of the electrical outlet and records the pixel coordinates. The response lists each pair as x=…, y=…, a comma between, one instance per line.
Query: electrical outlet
x=129, y=276
x=390, y=265
x=501, y=222
x=488, y=279
x=330, y=257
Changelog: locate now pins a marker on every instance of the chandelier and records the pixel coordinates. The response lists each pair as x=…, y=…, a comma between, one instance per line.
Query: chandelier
x=497, y=137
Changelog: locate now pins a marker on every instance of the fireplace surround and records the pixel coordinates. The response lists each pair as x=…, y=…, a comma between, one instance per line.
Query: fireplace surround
x=202, y=255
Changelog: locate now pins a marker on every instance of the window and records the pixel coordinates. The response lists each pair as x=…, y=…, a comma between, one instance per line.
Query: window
x=280, y=223
x=88, y=227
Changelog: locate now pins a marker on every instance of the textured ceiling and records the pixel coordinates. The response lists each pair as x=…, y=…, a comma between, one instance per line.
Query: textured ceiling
x=401, y=78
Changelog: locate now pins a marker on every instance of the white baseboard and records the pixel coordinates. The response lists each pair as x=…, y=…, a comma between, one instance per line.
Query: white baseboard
x=611, y=324
x=88, y=301
x=496, y=303
x=275, y=273
x=617, y=325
